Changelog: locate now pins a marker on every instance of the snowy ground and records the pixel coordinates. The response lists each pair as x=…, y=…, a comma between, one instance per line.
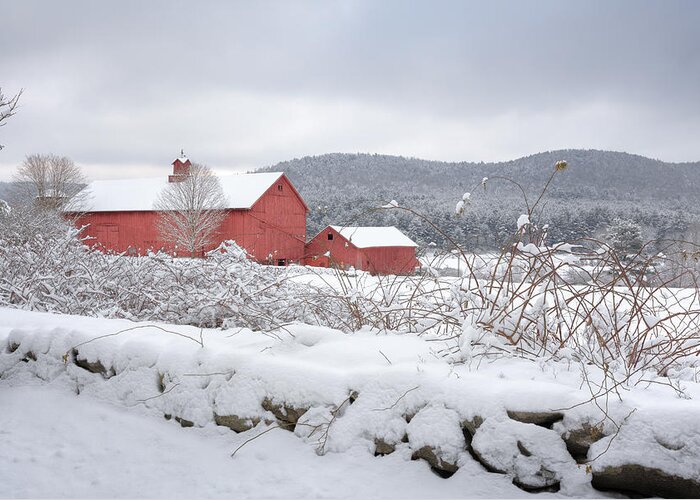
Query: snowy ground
x=56, y=444
x=112, y=439
x=482, y=264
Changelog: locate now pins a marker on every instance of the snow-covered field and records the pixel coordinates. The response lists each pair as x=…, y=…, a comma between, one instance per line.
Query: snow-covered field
x=56, y=444
x=362, y=391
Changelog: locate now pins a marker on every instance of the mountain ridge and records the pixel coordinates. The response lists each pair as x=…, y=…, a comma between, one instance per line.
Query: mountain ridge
x=596, y=187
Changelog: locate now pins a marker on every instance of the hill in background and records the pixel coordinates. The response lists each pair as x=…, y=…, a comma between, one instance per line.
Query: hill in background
x=597, y=187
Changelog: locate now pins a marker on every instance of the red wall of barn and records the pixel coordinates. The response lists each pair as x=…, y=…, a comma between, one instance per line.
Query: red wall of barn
x=275, y=226
x=343, y=253
x=376, y=260
x=391, y=260
x=131, y=232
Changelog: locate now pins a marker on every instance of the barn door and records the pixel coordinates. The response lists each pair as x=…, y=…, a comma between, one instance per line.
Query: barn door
x=113, y=235
x=107, y=235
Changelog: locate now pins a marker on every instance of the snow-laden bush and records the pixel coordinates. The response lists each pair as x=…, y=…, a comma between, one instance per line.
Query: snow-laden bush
x=586, y=301
x=53, y=270
x=583, y=302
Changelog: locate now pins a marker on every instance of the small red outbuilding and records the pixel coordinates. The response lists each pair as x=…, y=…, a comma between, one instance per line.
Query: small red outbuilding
x=379, y=250
x=265, y=215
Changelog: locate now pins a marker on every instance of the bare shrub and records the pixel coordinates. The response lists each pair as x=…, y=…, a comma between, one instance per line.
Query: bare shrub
x=191, y=210
x=614, y=307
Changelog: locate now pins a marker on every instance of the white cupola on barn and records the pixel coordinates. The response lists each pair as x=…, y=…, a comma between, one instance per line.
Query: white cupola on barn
x=181, y=168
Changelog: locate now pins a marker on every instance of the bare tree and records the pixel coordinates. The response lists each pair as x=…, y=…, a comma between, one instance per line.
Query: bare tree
x=191, y=210
x=51, y=181
x=8, y=107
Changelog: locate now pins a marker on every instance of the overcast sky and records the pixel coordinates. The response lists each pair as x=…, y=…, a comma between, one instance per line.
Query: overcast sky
x=121, y=86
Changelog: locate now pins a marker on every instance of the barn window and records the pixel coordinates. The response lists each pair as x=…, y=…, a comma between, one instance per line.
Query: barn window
x=330, y=236
x=279, y=187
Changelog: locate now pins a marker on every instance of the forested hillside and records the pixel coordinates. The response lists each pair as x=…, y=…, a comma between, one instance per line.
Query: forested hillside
x=597, y=187
x=4, y=190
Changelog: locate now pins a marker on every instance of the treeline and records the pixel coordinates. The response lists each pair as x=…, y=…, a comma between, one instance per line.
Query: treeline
x=596, y=188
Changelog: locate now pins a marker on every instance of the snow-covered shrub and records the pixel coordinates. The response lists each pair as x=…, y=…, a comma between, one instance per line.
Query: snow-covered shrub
x=4, y=208
x=580, y=301
x=586, y=301
x=53, y=270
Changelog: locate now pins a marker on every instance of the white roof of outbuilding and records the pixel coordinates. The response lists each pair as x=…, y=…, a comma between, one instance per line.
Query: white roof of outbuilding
x=374, y=236
x=241, y=190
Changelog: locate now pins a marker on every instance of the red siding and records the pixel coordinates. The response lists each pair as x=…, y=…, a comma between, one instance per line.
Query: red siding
x=391, y=260
x=273, y=229
x=376, y=260
x=131, y=232
x=343, y=253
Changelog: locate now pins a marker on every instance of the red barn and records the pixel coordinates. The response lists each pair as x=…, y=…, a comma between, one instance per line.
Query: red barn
x=379, y=250
x=265, y=215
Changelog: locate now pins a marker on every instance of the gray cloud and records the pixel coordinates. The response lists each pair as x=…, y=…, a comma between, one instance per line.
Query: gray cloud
x=121, y=87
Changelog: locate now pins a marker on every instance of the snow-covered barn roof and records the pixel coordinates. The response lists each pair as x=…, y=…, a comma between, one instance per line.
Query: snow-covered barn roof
x=241, y=191
x=375, y=236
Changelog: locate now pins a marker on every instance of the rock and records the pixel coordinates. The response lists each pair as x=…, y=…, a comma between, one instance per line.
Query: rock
x=579, y=440
x=314, y=427
x=440, y=466
x=29, y=356
x=645, y=481
x=236, y=423
x=161, y=382
x=287, y=416
x=381, y=447
x=472, y=425
x=435, y=435
x=92, y=366
x=183, y=422
x=541, y=418
x=655, y=452
x=535, y=457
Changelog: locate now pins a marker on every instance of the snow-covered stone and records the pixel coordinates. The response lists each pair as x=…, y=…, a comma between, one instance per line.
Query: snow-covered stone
x=656, y=453
x=535, y=457
x=435, y=434
x=238, y=378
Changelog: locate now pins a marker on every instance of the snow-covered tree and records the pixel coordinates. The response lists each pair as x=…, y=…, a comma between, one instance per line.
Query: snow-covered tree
x=625, y=236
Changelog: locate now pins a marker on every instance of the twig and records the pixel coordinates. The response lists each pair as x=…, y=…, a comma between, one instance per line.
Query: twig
x=387, y=359
x=397, y=401
x=158, y=395
x=619, y=428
